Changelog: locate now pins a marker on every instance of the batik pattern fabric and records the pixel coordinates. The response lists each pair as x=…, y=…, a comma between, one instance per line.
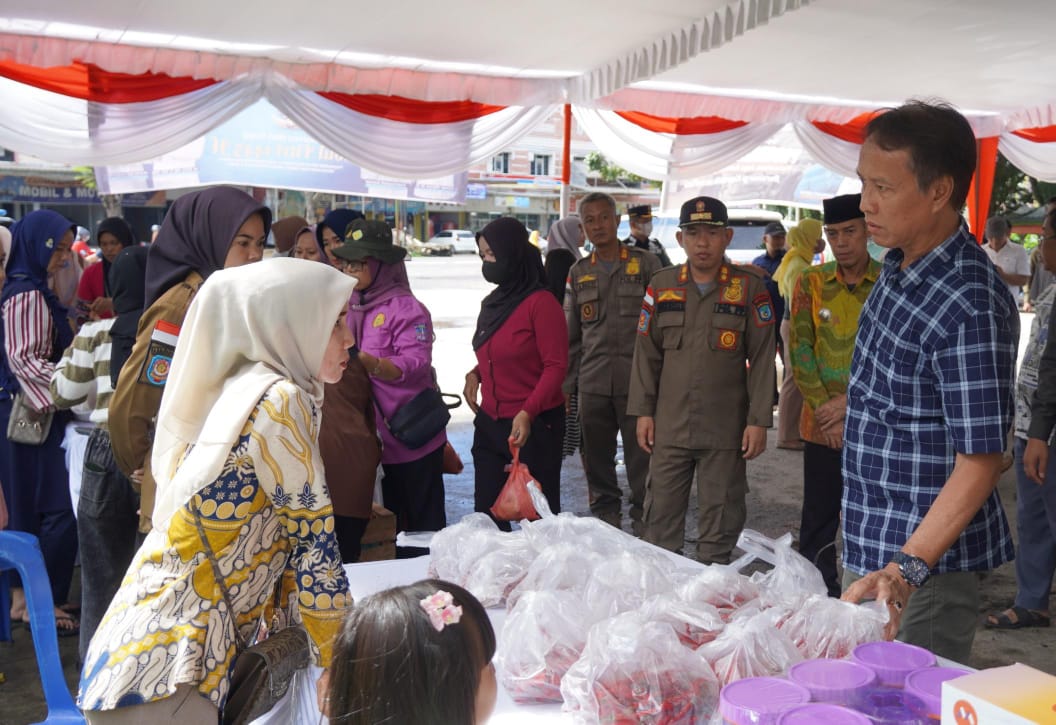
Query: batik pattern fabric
x=269, y=522
x=824, y=323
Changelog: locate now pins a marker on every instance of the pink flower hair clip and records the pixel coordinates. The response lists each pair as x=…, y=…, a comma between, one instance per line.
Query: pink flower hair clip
x=441, y=609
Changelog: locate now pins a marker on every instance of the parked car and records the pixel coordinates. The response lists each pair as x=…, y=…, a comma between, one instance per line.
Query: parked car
x=451, y=241
x=747, y=242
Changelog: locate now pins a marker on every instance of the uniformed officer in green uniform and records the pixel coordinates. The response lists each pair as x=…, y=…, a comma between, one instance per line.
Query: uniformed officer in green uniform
x=700, y=409
x=602, y=300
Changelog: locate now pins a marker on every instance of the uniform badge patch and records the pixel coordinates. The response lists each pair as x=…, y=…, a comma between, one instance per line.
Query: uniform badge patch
x=162, y=346
x=734, y=291
x=633, y=267
x=643, y=321
x=724, y=308
x=648, y=301
x=158, y=370
x=728, y=339
x=671, y=295
x=421, y=334
x=379, y=320
x=588, y=312
x=670, y=307
x=764, y=310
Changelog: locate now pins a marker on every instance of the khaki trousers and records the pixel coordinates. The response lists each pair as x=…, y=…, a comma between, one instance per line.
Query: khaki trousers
x=601, y=418
x=722, y=484
x=942, y=615
x=186, y=706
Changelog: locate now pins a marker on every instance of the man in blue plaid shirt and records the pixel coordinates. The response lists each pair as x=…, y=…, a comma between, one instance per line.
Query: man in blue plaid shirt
x=929, y=404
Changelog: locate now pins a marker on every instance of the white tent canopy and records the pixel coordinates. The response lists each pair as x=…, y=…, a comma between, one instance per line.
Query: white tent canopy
x=985, y=57
x=736, y=71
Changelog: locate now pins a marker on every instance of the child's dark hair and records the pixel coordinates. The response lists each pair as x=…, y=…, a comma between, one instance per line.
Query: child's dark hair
x=390, y=665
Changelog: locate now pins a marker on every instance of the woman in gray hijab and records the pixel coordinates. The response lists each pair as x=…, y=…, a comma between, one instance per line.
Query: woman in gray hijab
x=563, y=245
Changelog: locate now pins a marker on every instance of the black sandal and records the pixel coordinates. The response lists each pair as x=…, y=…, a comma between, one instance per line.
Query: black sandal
x=1024, y=618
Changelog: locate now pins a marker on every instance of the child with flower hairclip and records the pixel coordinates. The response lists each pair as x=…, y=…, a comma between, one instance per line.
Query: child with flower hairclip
x=415, y=655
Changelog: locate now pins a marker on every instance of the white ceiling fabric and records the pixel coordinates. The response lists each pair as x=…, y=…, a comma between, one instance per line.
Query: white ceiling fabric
x=832, y=55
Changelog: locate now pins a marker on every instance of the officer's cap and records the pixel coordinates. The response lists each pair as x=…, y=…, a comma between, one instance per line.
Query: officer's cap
x=703, y=210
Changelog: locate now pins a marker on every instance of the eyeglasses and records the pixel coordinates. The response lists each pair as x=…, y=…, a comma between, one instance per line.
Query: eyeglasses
x=351, y=266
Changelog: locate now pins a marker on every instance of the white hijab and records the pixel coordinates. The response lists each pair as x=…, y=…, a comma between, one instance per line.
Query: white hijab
x=248, y=328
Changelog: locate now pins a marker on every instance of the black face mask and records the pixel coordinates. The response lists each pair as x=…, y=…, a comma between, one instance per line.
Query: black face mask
x=498, y=272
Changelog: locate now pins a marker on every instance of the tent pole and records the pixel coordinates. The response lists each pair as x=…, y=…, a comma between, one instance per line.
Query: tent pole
x=566, y=162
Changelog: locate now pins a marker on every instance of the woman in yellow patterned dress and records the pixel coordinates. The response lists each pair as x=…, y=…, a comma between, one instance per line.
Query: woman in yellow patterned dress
x=236, y=459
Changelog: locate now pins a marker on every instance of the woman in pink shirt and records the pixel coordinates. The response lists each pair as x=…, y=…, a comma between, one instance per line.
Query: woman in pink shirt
x=394, y=337
x=521, y=342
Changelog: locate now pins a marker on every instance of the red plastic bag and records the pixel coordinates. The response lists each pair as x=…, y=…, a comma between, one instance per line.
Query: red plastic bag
x=514, y=502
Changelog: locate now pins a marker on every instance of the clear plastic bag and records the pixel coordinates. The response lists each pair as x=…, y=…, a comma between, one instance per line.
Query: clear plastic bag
x=750, y=646
x=636, y=671
x=827, y=627
x=793, y=578
x=542, y=637
x=722, y=587
x=454, y=549
x=695, y=624
x=583, y=531
x=561, y=567
x=498, y=570
x=623, y=581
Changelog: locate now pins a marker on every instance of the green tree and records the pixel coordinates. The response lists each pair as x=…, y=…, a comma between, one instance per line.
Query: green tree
x=86, y=177
x=609, y=172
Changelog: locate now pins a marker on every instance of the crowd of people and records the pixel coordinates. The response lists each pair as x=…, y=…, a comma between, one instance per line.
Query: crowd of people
x=244, y=410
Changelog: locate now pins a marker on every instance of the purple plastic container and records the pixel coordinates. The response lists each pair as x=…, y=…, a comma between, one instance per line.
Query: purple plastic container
x=817, y=713
x=759, y=700
x=892, y=661
x=891, y=706
x=926, y=684
x=841, y=682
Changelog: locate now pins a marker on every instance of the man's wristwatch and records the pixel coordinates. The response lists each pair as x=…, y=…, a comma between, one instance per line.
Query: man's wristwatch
x=913, y=569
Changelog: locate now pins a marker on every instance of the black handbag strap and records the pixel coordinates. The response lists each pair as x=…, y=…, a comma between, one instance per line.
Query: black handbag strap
x=456, y=404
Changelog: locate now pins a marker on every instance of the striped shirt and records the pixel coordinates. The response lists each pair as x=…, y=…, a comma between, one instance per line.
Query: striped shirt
x=28, y=335
x=83, y=374
x=931, y=377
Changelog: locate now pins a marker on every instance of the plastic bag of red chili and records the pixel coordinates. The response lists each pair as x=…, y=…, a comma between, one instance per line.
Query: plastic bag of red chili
x=750, y=646
x=635, y=671
x=826, y=627
x=695, y=624
x=543, y=635
x=793, y=578
x=722, y=587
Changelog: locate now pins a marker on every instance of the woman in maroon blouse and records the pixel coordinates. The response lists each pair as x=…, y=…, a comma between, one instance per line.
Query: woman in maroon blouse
x=521, y=344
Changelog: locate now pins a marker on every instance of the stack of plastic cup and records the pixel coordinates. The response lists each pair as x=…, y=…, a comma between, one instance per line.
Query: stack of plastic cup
x=759, y=700
x=926, y=685
x=892, y=661
x=818, y=713
x=840, y=682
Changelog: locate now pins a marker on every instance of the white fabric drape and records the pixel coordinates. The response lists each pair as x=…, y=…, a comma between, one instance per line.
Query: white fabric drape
x=1035, y=159
x=668, y=156
x=63, y=129
x=833, y=153
x=404, y=150
x=69, y=130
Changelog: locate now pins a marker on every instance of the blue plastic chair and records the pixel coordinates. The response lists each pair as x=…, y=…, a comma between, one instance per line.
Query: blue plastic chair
x=5, y=610
x=21, y=551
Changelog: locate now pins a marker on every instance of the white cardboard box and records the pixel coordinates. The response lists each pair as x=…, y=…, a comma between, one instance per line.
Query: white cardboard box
x=1013, y=695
